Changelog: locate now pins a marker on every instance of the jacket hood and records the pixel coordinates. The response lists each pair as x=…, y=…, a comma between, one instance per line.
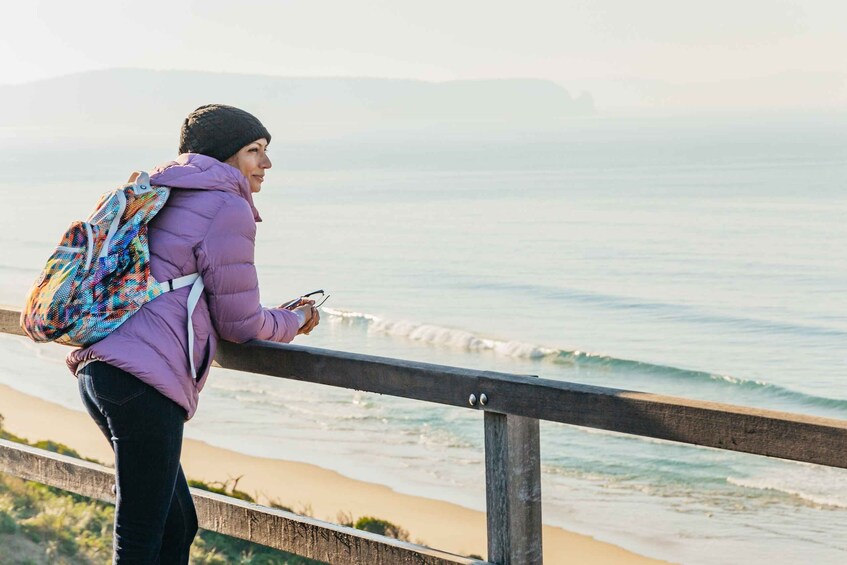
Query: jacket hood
x=199, y=172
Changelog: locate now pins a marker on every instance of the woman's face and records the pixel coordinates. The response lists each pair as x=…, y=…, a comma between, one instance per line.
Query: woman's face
x=252, y=160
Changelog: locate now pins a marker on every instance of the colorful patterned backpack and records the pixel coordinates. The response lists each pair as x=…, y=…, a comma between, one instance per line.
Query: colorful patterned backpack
x=99, y=274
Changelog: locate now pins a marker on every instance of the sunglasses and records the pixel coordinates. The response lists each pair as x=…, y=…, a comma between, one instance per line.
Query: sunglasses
x=320, y=298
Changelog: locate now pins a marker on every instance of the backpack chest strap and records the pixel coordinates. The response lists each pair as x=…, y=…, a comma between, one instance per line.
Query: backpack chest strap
x=195, y=281
x=179, y=282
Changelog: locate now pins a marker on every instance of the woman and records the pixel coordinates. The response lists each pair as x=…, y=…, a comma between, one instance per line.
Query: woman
x=137, y=383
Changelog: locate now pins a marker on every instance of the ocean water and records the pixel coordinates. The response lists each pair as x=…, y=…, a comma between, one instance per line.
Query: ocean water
x=702, y=258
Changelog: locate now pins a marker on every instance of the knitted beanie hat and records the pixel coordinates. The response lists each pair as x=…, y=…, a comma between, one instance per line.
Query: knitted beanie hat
x=219, y=131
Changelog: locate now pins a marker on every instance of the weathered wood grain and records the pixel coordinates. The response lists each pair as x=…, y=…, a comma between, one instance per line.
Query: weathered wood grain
x=395, y=377
x=811, y=439
x=267, y=526
x=10, y=320
x=67, y=473
x=513, y=489
x=312, y=538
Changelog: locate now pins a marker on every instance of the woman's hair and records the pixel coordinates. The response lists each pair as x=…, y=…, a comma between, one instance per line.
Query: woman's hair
x=219, y=131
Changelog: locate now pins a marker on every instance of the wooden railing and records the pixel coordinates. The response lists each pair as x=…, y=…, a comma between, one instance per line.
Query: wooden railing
x=268, y=526
x=512, y=406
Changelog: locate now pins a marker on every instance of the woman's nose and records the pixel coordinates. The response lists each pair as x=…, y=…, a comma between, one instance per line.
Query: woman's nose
x=266, y=164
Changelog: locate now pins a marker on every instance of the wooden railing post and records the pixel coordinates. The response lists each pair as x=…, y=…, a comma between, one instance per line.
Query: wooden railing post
x=513, y=489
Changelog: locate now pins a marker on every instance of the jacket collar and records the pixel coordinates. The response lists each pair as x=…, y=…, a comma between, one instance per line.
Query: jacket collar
x=193, y=171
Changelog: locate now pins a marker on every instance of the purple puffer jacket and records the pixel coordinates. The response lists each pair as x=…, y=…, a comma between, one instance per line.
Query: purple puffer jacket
x=207, y=228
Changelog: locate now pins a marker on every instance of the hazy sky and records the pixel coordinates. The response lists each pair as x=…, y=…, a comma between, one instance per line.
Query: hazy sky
x=626, y=53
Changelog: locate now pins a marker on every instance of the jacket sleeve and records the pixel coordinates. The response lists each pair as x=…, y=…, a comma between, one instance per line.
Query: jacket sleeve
x=225, y=260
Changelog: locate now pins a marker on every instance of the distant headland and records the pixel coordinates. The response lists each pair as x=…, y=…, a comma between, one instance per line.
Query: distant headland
x=152, y=101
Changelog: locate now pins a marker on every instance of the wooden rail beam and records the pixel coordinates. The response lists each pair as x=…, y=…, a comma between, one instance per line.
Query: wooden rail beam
x=811, y=439
x=10, y=320
x=798, y=437
x=785, y=435
x=274, y=528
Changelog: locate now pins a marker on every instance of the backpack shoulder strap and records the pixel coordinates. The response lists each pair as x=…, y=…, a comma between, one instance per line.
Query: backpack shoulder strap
x=140, y=179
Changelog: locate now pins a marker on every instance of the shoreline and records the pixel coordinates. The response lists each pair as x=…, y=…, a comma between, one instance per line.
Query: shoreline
x=307, y=488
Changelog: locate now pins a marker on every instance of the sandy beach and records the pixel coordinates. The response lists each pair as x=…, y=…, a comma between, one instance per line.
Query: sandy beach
x=308, y=488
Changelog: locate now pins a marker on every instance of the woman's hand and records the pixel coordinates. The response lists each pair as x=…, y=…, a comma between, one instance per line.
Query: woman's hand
x=313, y=317
x=310, y=313
x=293, y=305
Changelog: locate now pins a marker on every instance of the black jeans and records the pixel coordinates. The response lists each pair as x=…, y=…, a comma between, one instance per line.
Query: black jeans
x=155, y=521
